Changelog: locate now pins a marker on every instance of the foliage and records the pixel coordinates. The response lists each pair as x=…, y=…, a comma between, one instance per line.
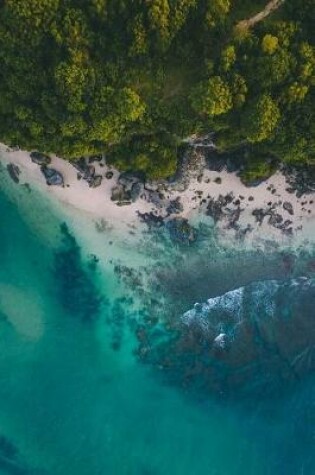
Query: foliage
x=133, y=78
x=212, y=97
x=269, y=44
x=261, y=119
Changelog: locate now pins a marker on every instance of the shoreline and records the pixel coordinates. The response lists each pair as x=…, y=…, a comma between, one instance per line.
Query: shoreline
x=251, y=215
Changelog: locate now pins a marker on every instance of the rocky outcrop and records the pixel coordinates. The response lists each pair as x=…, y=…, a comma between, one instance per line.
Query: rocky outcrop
x=95, y=181
x=288, y=207
x=300, y=179
x=87, y=172
x=181, y=231
x=266, y=332
x=129, y=188
x=175, y=207
x=40, y=158
x=52, y=176
x=121, y=196
x=191, y=167
x=254, y=339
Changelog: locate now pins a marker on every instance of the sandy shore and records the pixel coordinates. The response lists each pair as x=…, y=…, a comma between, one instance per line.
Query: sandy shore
x=243, y=201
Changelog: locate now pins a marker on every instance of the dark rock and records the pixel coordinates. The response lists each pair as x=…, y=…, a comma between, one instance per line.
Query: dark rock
x=275, y=219
x=190, y=167
x=250, y=198
x=181, y=231
x=86, y=171
x=89, y=173
x=151, y=219
x=215, y=208
x=95, y=158
x=288, y=207
x=234, y=218
x=287, y=223
x=128, y=179
x=269, y=339
x=254, y=182
x=260, y=215
x=136, y=191
x=218, y=180
x=215, y=162
x=80, y=165
x=95, y=181
x=121, y=195
x=229, y=198
x=40, y=158
x=109, y=175
x=301, y=179
x=175, y=207
x=232, y=166
x=14, y=172
x=52, y=176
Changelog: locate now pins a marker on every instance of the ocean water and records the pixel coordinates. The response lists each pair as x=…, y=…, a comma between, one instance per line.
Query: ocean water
x=76, y=395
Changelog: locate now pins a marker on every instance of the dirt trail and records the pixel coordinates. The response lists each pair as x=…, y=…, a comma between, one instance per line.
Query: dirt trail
x=269, y=8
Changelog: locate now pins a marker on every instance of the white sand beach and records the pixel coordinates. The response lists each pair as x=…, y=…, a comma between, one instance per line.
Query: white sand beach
x=97, y=203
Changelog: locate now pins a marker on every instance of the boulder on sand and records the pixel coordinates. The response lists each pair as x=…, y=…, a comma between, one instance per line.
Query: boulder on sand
x=95, y=181
x=120, y=195
x=52, y=176
x=40, y=158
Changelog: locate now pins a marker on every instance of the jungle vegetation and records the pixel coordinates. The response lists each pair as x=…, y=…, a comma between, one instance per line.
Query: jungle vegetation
x=133, y=78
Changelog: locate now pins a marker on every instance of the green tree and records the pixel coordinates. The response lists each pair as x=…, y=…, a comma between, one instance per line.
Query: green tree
x=269, y=44
x=212, y=97
x=261, y=118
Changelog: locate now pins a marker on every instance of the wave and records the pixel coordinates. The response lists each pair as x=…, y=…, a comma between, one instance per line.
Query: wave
x=260, y=337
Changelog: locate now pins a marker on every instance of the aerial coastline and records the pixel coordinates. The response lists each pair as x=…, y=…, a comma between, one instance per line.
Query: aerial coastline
x=272, y=210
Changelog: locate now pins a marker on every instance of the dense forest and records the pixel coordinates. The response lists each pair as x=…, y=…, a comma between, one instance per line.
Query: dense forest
x=133, y=78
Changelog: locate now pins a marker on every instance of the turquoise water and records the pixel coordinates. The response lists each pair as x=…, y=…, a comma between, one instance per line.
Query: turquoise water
x=74, y=397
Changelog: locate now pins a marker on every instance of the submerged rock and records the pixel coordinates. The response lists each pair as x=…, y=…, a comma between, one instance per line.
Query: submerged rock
x=14, y=172
x=151, y=220
x=181, y=231
x=254, y=339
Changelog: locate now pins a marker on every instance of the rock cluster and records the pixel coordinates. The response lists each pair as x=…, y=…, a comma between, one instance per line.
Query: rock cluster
x=181, y=231
x=129, y=188
x=87, y=172
x=254, y=340
x=301, y=180
x=275, y=219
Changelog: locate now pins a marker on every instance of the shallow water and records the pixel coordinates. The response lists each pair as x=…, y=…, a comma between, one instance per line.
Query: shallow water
x=74, y=397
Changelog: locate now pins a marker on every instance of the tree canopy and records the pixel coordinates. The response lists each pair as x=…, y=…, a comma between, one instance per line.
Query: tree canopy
x=133, y=78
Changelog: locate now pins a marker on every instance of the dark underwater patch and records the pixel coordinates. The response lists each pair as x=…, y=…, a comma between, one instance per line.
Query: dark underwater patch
x=77, y=292
x=258, y=340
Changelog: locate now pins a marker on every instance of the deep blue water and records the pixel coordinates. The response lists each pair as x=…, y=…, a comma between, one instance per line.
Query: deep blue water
x=75, y=398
